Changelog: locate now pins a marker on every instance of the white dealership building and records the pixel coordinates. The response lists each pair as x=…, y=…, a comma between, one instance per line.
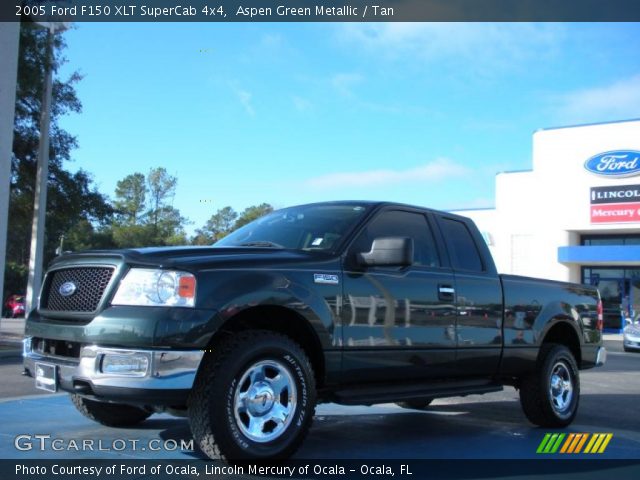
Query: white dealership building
x=575, y=216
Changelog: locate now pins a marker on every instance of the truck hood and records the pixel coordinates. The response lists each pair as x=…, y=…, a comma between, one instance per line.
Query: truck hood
x=191, y=257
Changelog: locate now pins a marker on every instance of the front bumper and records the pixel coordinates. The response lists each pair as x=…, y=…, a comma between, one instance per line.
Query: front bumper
x=167, y=381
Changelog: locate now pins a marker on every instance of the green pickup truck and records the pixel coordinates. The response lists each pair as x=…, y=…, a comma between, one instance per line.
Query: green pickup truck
x=349, y=302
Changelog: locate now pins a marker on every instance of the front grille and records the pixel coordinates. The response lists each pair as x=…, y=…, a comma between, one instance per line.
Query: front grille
x=90, y=285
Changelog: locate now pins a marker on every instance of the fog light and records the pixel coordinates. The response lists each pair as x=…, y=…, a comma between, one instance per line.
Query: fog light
x=135, y=364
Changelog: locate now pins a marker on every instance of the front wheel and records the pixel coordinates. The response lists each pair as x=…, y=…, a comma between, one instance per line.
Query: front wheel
x=254, y=398
x=550, y=395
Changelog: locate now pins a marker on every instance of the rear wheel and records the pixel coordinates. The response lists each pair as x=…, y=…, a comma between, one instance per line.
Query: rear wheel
x=110, y=414
x=416, y=404
x=254, y=398
x=550, y=395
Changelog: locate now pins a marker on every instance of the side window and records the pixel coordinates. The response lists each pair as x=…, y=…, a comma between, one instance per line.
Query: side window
x=464, y=252
x=397, y=223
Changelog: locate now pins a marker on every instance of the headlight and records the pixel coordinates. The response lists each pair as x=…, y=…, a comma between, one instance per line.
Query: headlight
x=145, y=286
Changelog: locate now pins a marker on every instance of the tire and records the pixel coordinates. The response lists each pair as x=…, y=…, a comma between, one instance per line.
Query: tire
x=416, y=404
x=110, y=414
x=550, y=396
x=253, y=399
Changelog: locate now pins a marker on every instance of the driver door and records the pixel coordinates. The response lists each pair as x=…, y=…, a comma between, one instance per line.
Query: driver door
x=398, y=322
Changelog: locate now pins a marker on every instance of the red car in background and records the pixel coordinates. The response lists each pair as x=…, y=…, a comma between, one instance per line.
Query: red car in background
x=14, y=306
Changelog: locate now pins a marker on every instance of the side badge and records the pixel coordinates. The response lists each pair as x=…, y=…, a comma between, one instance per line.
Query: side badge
x=326, y=279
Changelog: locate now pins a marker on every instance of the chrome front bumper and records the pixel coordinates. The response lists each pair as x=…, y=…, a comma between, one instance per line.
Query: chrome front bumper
x=173, y=370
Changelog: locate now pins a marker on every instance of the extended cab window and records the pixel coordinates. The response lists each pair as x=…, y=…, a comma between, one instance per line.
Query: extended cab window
x=463, y=250
x=397, y=223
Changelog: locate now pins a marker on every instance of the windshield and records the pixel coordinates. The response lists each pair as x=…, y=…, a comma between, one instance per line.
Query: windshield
x=307, y=227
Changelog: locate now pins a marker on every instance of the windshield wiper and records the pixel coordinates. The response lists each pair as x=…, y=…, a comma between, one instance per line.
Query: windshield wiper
x=261, y=243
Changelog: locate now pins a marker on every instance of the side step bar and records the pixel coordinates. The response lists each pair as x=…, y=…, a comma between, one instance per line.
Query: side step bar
x=385, y=393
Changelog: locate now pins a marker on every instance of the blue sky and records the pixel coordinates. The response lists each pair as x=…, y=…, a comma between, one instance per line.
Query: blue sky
x=293, y=113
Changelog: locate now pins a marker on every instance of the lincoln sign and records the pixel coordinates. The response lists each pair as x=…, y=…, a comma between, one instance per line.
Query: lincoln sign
x=615, y=204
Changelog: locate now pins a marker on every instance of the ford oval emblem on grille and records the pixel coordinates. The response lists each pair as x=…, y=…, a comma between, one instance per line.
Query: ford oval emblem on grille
x=67, y=289
x=616, y=163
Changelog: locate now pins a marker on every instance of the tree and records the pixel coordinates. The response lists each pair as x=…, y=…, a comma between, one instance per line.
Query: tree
x=145, y=216
x=162, y=187
x=71, y=196
x=249, y=214
x=131, y=193
x=219, y=225
x=226, y=220
x=84, y=236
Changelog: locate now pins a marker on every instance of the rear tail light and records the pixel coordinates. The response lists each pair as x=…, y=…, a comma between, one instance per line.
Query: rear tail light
x=599, y=311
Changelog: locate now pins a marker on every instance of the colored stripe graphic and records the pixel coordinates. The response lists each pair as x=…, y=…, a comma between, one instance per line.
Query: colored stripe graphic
x=543, y=443
x=598, y=443
x=582, y=442
x=550, y=443
x=574, y=443
x=608, y=438
x=566, y=445
x=553, y=443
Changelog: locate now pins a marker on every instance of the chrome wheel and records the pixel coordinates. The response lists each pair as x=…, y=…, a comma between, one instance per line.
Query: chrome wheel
x=561, y=387
x=264, y=401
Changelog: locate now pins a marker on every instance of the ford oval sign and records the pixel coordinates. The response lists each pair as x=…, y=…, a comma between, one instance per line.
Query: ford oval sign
x=67, y=289
x=616, y=163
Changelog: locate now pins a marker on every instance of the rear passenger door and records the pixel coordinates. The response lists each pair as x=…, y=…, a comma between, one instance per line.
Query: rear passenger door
x=398, y=322
x=478, y=299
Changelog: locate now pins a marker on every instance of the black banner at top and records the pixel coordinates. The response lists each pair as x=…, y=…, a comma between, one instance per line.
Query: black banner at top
x=320, y=10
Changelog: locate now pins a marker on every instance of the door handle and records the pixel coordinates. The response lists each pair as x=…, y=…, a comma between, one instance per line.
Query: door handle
x=446, y=293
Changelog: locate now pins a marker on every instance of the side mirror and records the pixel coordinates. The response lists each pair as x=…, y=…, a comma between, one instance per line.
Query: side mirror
x=388, y=251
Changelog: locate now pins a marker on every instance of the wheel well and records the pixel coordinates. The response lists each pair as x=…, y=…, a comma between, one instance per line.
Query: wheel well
x=284, y=321
x=563, y=334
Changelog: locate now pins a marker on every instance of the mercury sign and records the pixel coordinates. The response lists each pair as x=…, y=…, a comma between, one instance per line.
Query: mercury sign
x=619, y=204
x=616, y=163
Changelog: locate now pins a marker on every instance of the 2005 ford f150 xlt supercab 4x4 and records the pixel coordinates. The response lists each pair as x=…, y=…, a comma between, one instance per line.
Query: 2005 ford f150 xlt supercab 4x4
x=347, y=302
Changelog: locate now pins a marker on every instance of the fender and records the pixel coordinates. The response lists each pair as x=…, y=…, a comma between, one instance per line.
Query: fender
x=554, y=313
x=235, y=291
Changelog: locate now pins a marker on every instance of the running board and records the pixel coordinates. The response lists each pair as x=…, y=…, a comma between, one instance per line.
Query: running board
x=386, y=393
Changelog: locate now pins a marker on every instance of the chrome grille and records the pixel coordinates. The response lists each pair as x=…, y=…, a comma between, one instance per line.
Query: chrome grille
x=90, y=283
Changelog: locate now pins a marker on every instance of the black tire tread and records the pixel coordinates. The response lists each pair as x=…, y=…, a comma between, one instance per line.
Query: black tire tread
x=533, y=392
x=110, y=414
x=199, y=413
x=415, y=404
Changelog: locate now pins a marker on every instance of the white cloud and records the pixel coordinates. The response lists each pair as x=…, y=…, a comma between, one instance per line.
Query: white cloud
x=245, y=100
x=345, y=82
x=430, y=172
x=617, y=101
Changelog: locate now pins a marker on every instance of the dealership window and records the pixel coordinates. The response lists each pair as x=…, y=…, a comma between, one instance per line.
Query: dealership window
x=602, y=240
x=620, y=292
